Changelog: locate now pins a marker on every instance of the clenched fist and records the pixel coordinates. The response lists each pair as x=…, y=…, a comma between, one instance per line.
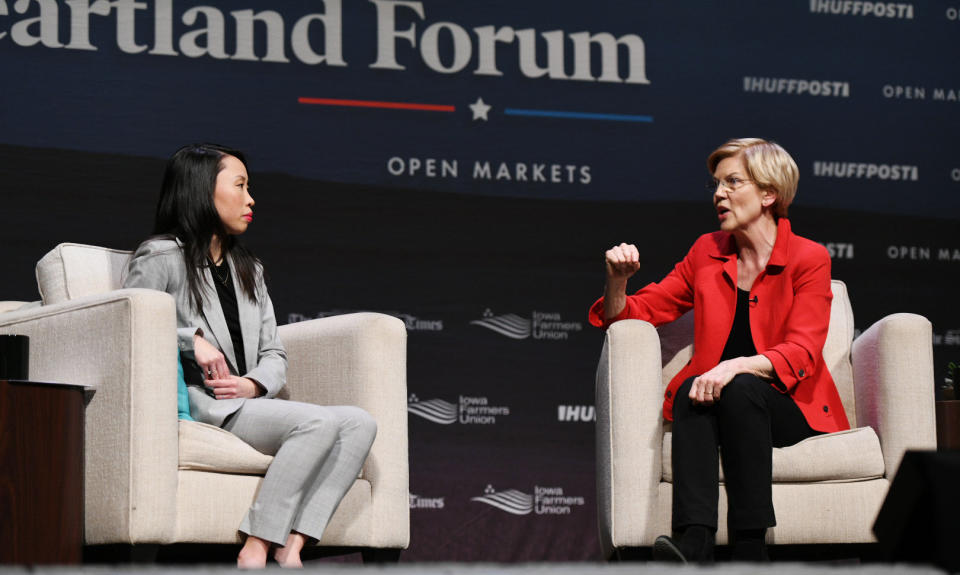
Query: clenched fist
x=622, y=261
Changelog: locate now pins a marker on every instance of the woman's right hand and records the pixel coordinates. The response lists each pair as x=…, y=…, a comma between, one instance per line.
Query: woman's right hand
x=622, y=262
x=209, y=358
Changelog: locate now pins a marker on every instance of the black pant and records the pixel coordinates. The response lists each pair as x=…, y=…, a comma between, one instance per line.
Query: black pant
x=749, y=420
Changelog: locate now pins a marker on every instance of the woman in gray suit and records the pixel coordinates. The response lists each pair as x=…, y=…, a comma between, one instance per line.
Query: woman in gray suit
x=227, y=335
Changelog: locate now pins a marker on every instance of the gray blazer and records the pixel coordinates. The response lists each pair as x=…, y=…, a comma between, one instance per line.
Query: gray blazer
x=158, y=264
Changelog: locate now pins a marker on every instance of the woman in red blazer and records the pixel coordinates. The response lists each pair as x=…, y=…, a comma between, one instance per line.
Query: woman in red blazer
x=761, y=300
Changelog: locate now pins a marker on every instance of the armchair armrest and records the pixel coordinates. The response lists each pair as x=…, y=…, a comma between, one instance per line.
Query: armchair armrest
x=893, y=383
x=7, y=306
x=120, y=344
x=361, y=359
x=629, y=432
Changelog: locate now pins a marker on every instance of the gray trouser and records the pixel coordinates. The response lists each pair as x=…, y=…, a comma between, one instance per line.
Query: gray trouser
x=317, y=454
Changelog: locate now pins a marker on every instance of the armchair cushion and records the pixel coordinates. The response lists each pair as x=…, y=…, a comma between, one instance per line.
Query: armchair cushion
x=206, y=447
x=6, y=306
x=851, y=455
x=70, y=271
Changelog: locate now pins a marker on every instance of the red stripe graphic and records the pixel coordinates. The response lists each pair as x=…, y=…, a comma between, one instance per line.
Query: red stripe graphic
x=373, y=104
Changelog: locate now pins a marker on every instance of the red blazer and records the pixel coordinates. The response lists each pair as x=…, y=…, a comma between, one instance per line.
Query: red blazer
x=789, y=316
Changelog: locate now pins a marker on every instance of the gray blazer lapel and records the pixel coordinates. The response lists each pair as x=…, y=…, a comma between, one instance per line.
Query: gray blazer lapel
x=249, y=314
x=213, y=315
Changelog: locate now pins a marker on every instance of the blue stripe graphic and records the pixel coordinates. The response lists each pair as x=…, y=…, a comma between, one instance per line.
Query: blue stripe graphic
x=577, y=115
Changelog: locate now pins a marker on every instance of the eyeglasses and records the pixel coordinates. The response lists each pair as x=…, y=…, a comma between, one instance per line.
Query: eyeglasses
x=731, y=183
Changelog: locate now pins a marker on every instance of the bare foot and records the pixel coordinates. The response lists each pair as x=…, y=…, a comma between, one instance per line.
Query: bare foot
x=289, y=555
x=254, y=554
x=288, y=560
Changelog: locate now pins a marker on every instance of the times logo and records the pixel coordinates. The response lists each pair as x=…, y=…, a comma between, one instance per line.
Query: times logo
x=420, y=502
x=410, y=321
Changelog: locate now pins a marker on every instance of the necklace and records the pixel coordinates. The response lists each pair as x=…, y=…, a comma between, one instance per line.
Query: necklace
x=222, y=278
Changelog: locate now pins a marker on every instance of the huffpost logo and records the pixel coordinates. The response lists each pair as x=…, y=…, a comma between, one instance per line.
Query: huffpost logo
x=901, y=10
x=576, y=413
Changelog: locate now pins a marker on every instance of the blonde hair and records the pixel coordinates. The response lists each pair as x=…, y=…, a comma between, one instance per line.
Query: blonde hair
x=768, y=165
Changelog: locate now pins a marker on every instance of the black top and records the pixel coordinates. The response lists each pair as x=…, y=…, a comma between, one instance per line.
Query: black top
x=228, y=303
x=740, y=340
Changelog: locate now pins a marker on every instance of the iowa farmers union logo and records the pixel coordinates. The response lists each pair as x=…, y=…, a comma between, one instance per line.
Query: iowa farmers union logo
x=544, y=501
x=541, y=325
x=468, y=410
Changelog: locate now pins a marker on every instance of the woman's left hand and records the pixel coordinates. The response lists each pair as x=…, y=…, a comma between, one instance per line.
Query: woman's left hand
x=233, y=387
x=706, y=388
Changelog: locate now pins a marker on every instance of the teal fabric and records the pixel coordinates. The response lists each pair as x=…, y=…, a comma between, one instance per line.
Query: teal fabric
x=183, y=404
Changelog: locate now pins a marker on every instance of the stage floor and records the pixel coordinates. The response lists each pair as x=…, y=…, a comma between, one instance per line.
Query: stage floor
x=495, y=569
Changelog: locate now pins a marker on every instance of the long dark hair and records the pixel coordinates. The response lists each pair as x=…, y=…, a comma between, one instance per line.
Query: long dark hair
x=186, y=211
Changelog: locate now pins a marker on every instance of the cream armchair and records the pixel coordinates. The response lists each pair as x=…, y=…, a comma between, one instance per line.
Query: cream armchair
x=152, y=479
x=827, y=489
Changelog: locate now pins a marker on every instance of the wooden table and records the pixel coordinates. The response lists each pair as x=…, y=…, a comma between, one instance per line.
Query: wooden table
x=948, y=425
x=41, y=473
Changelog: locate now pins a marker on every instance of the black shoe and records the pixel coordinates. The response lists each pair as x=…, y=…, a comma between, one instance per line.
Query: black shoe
x=750, y=546
x=664, y=549
x=697, y=543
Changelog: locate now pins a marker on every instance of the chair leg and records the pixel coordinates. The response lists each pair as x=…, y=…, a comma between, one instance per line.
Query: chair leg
x=376, y=555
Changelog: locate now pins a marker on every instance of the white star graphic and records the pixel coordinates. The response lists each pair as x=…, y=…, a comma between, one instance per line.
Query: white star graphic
x=480, y=109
